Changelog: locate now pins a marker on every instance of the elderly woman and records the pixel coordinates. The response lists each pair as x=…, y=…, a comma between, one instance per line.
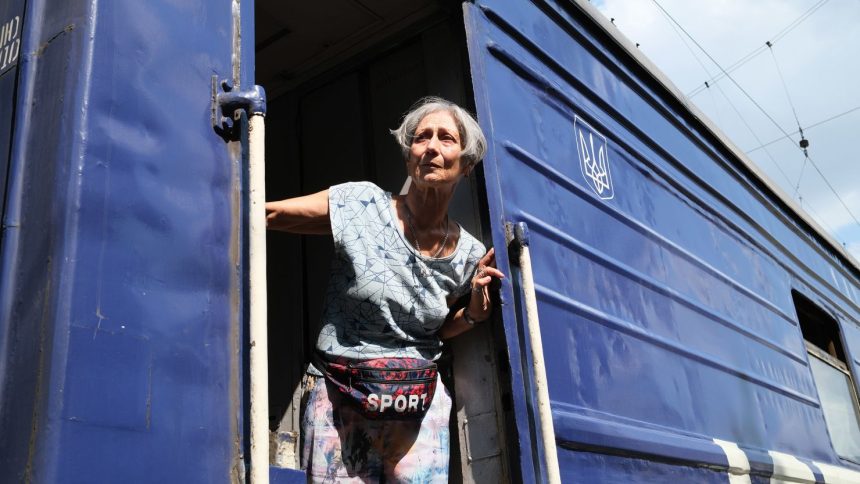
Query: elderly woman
x=376, y=409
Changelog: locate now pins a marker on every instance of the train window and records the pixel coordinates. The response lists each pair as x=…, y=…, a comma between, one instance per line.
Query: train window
x=832, y=376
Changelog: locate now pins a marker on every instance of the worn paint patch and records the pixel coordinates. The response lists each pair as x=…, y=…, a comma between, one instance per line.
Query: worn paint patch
x=41, y=49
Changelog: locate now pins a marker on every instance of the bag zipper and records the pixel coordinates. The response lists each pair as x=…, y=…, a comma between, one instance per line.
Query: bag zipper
x=372, y=368
x=374, y=380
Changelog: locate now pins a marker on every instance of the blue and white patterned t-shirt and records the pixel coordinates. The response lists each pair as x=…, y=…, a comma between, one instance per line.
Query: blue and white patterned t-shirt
x=384, y=299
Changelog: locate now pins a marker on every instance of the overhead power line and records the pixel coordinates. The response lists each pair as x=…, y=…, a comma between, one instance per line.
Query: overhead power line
x=687, y=44
x=757, y=105
x=812, y=163
x=819, y=123
x=804, y=144
x=753, y=133
x=740, y=116
x=785, y=88
x=758, y=50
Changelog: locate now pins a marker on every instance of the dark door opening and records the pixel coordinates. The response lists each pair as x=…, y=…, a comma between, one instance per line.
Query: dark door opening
x=338, y=78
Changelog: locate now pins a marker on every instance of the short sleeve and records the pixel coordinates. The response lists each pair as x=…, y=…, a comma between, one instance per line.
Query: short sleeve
x=351, y=205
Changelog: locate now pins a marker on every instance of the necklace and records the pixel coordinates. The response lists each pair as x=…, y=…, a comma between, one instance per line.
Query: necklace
x=415, y=234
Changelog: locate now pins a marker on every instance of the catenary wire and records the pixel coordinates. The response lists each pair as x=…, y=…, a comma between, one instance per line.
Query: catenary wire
x=796, y=118
x=806, y=206
x=820, y=219
x=819, y=123
x=734, y=108
x=758, y=50
x=800, y=177
x=785, y=87
x=753, y=133
x=687, y=45
x=815, y=166
x=757, y=105
x=698, y=60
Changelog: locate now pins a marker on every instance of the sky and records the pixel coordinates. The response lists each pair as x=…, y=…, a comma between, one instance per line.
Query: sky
x=815, y=45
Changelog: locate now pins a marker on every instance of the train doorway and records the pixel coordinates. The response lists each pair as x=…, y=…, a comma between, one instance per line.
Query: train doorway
x=361, y=65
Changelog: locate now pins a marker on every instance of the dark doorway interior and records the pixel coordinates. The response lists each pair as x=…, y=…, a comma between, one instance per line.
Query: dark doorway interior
x=338, y=78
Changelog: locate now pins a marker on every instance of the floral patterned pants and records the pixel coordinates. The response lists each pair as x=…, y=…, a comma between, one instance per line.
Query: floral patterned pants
x=340, y=445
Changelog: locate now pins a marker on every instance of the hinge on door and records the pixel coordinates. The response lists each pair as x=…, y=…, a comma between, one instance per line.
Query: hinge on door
x=226, y=103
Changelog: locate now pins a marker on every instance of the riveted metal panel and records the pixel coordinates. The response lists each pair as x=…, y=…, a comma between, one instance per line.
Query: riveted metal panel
x=664, y=265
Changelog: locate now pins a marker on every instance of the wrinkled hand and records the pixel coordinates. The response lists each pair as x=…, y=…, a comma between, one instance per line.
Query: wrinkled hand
x=481, y=305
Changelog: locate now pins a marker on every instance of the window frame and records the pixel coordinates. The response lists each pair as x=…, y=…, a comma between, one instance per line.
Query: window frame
x=806, y=309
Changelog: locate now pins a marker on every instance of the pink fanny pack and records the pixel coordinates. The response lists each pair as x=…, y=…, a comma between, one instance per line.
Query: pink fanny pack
x=385, y=388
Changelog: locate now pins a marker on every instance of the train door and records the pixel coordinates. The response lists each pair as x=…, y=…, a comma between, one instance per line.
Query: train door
x=531, y=177
x=337, y=79
x=120, y=294
x=668, y=352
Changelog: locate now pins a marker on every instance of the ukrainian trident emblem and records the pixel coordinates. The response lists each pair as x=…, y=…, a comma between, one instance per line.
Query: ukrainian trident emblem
x=593, y=159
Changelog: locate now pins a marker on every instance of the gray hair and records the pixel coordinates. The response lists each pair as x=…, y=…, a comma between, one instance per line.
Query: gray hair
x=472, y=140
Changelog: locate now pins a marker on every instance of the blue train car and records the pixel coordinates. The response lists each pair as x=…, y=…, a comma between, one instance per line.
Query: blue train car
x=696, y=325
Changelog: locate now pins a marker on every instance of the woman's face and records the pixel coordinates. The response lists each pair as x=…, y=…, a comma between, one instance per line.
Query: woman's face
x=434, y=157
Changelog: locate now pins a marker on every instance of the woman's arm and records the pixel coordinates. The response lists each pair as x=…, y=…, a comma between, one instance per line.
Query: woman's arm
x=480, y=305
x=300, y=215
x=455, y=324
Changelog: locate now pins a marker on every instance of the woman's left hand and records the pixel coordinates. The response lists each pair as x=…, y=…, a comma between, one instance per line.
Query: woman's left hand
x=480, y=304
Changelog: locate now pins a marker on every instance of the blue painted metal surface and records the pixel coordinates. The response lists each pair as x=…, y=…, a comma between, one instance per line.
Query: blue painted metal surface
x=663, y=266
x=279, y=475
x=11, y=26
x=610, y=469
x=121, y=267
x=11, y=13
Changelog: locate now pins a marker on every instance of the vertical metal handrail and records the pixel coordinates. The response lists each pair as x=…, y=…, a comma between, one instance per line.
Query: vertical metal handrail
x=258, y=335
x=253, y=104
x=544, y=409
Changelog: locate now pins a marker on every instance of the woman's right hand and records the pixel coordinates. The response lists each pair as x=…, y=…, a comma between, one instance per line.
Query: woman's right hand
x=481, y=304
x=300, y=215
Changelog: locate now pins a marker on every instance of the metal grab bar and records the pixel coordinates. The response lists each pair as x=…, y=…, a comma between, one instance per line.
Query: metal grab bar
x=521, y=236
x=258, y=336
